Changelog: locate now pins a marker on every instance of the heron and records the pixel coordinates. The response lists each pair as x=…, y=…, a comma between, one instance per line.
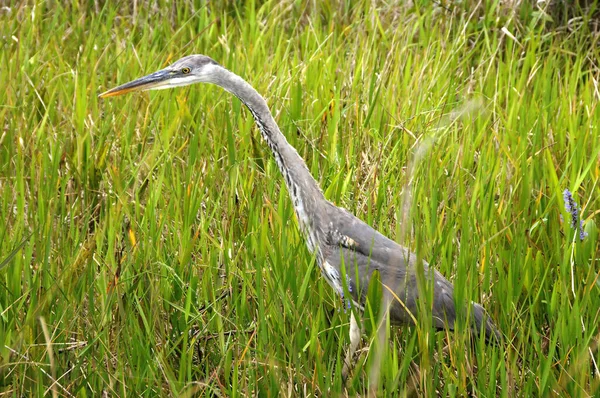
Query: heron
x=348, y=251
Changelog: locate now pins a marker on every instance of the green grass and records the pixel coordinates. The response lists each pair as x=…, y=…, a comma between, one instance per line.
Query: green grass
x=165, y=259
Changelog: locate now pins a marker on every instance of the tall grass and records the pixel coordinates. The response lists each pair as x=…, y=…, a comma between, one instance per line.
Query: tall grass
x=164, y=258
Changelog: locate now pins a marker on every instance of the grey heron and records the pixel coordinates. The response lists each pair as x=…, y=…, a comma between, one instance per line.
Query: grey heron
x=347, y=250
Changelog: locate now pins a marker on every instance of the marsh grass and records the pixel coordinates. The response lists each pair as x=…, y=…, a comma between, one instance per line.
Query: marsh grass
x=164, y=258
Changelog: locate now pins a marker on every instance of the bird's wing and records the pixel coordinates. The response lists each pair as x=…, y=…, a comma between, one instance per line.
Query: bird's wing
x=358, y=250
x=399, y=282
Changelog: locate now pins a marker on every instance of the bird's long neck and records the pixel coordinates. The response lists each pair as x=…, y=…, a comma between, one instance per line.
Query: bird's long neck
x=304, y=191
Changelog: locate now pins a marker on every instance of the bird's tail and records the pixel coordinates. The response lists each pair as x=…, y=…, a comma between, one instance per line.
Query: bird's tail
x=484, y=324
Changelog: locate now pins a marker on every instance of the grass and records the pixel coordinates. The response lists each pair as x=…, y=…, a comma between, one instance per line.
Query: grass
x=163, y=256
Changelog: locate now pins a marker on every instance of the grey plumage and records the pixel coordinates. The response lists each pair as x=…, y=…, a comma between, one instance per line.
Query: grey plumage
x=336, y=236
x=371, y=251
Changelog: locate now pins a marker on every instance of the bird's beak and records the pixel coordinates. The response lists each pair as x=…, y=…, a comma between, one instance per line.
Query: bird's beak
x=152, y=81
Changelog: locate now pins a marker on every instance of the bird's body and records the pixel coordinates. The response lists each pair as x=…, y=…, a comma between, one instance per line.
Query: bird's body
x=348, y=250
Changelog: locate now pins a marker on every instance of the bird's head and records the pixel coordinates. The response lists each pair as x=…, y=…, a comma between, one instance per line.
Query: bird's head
x=187, y=70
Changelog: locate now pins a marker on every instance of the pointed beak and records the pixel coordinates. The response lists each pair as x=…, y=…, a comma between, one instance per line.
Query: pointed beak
x=154, y=80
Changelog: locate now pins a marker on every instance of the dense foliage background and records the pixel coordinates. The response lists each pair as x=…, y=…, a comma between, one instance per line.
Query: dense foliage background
x=148, y=246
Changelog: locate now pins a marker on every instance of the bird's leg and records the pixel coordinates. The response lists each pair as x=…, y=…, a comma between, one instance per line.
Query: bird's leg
x=354, y=340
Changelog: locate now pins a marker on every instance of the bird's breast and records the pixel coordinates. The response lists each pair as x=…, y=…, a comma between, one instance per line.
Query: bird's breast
x=332, y=276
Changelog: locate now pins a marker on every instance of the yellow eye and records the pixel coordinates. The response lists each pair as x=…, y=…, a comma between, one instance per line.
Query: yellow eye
x=185, y=70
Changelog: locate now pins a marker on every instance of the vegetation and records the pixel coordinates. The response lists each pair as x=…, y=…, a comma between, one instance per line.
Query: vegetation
x=148, y=244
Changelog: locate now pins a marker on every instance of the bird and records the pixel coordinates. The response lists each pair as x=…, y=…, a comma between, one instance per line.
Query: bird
x=348, y=251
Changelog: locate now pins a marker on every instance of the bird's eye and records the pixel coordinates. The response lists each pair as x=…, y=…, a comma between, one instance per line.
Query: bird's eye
x=185, y=70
